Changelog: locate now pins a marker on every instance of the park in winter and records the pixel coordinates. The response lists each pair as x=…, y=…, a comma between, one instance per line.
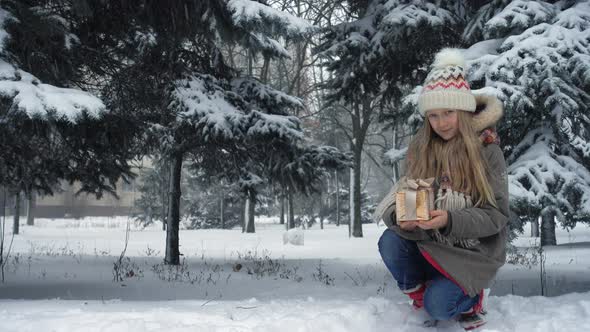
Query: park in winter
x=294, y=165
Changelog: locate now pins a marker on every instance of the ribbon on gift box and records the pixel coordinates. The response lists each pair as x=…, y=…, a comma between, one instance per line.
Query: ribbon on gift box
x=409, y=195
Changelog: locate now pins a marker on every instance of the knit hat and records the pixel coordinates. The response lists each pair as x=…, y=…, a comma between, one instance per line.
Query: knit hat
x=445, y=86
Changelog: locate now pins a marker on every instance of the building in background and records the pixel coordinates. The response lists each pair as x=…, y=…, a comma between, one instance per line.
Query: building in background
x=66, y=204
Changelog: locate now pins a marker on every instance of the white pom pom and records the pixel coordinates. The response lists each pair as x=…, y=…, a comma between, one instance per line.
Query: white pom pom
x=449, y=57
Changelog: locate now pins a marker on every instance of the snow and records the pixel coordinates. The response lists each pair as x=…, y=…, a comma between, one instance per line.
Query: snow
x=279, y=125
x=294, y=236
x=31, y=96
x=550, y=176
x=263, y=95
x=202, y=100
x=521, y=15
x=529, y=64
x=269, y=45
x=205, y=101
x=395, y=155
x=576, y=17
x=482, y=48
x=415, y=14
x=146, y=39
x=38, y=99
x=62, y=281
x=247, y=12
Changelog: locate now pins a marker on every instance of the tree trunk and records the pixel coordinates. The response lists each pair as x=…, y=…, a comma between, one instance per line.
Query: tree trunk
x=250, y=64
x=243, y=215
x=350, y=203
x=31, y=200
x=165, y=186
x=221, y=211
x=282, y=203
x=172, y=247
x=355, y=178
x=249, y=209
x=535, y=228
x=290, y=214
x=265, y=69
x=337, y=199
x=321, y=210
x=150, y=217
x=16, y=223
x=2, y=233
x=548, y=228
x=395, y=166
x=360, y=122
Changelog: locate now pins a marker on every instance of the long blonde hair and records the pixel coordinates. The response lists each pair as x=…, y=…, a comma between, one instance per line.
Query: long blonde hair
x=461, y=158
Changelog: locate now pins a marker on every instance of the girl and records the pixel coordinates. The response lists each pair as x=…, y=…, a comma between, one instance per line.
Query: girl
x=445, y=263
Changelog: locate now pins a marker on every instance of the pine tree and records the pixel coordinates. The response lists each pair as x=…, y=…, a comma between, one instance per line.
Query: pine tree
x=50, y=129
x=172, y=78
x=375, y=56
x=534, y=56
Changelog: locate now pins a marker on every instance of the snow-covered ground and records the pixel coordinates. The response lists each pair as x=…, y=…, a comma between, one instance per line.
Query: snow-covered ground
x=60, y=277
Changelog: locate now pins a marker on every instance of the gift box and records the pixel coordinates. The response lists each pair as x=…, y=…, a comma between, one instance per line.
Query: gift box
x=414, y=200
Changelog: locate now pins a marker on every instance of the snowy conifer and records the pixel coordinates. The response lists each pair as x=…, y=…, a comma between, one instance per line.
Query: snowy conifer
x=51, y=130
x=536, y=58
x=173, y=79
x=375, y=56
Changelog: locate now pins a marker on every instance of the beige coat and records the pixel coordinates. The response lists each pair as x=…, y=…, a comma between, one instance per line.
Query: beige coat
x=472, y=268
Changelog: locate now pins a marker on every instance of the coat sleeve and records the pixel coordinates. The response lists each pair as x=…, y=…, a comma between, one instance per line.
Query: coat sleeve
x=487, y=220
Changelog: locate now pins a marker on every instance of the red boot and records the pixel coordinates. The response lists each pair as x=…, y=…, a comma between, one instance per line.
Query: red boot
x=417, y=295
x=473, y=318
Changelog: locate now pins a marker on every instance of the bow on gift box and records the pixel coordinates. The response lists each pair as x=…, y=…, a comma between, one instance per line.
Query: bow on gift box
x=414, y=200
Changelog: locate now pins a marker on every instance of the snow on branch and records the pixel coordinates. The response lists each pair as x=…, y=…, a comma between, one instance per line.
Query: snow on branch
x=223, y=110
x=329, y=157
x=575, y=17
x=576, y=129
x=542, y=178
x=395, y=155
x=249, y=180
x=29, y=95
x=353, y=41
x=416, y=14
x=518, y=16
x=203, y=101
x=267, y=45
x=264, y=97
x=528, y=70
x=247, y=13
x=286, y=127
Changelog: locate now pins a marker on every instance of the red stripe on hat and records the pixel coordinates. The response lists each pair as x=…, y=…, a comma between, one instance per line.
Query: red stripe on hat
x=463, y=85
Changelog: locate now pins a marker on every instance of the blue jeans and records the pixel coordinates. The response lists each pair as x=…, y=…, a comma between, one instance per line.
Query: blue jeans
x=443, y=299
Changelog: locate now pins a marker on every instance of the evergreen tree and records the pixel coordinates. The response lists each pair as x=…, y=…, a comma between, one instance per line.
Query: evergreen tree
x=535, y=57
x=152, y=203
x=375, y=56
x=50, y=130
x=211, y=202
x=172, y=78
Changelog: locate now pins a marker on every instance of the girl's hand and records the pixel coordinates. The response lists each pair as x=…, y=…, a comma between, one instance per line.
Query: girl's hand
x=409, y=225
x=440, y=219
